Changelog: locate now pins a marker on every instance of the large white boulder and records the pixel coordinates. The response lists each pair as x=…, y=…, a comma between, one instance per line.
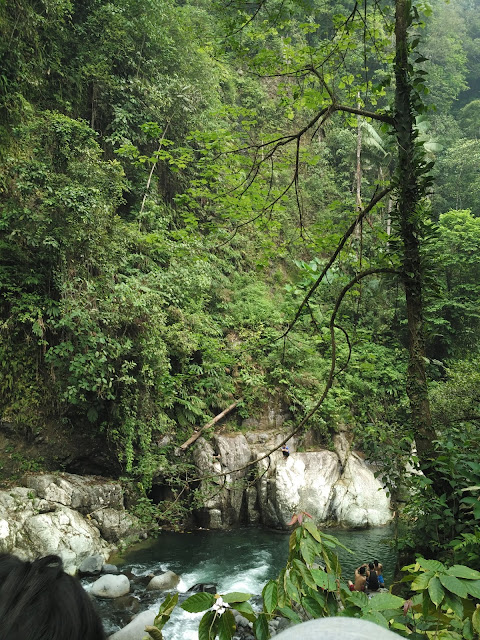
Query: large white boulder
x=335, y=487
x=66, y=533
x=304, y=482
x=359, y=498
x=62, y=515
x=110, y=586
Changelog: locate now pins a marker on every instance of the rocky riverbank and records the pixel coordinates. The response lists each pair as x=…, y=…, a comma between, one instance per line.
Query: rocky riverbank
x=72, y=516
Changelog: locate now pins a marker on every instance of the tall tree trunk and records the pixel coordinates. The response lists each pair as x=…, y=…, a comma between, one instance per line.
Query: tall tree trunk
x=409, y=194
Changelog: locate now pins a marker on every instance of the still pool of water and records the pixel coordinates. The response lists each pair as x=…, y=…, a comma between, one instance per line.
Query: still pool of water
x=239, y=560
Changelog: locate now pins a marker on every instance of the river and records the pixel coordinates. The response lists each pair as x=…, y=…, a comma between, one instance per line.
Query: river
x=238, y=560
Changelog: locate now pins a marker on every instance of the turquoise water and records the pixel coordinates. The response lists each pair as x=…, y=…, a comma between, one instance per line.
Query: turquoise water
x=239, y=560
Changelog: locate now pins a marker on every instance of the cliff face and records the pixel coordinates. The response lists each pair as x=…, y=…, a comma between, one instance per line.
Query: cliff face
x=335, y=487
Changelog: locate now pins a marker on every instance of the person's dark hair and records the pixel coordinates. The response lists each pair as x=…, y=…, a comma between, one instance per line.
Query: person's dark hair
x=39, y=601
x=375, y=562
x=371, y=565
x=362, y=570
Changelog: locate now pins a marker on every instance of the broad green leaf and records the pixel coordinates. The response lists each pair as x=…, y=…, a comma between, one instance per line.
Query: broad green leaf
x=313, y=607
x=308, y=549
x=421, y=581
x=289, y=613
x=154, y=633
x=165, y=610
x=359, y=599
x=292, y=541
x=281, y=593
x=226, y=625
x=236, y=597
x=260, y=627
x=318, y=596
x=305, y=573
x=426, y=603
x=454, y=603
x=454, y=585
x=431, y=565
x=460, y=571
x=207, y=629
x=473, y=587
x=269, y=595
x=446, y=634
x=290, y=587
x=436, y=590
x=312, y=530
x=377, y=618
x=320, y=577
x=198, y=602
x=467, y=630
x=327, y=536
x=476, y=619
x=384, y=601
x=245, y=608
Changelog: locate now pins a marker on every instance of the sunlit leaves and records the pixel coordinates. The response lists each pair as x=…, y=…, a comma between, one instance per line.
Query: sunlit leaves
x=198, y=602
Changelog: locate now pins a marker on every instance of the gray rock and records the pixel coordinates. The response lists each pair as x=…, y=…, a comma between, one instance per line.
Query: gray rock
x=91, y=565
x=241, y=621
x=336, y=628
x=47, y=517
x=82, y=493
x=109, y=586
x=116, y=525
x=135, y=630
x=110, y=569
x=164, y=582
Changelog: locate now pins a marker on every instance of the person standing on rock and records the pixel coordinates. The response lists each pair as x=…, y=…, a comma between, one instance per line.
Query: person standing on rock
x=372, y=578
x=379, y=569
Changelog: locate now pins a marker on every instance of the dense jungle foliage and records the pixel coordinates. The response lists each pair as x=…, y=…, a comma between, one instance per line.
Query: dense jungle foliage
x=163, y=228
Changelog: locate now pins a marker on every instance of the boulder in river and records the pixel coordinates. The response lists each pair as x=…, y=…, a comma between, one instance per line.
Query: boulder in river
x=164, y=582
x=110, y=586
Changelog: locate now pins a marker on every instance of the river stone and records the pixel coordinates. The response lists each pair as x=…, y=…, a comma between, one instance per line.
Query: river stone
x=333, y=486
x=91, y=565
x=304, y=482
x=109, y=586
x=201, y=587
x=164, y=582
x=135, y=630
x=110, y=569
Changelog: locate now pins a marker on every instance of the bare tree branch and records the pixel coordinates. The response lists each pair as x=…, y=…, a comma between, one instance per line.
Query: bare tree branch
x=375, y=199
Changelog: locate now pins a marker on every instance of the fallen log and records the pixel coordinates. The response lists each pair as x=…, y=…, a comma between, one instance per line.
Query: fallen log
x=197, y=434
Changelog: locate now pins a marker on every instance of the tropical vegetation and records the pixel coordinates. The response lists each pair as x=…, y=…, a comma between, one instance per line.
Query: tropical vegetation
x=214, y=202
